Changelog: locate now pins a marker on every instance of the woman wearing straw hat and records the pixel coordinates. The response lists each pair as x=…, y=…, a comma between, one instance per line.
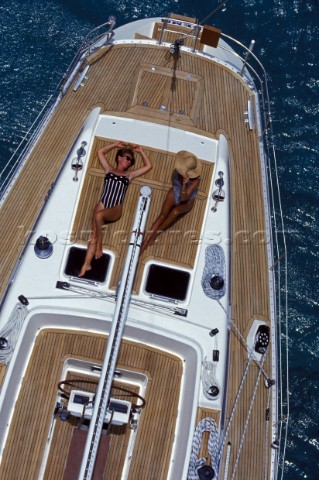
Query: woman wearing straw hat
x=180, y=198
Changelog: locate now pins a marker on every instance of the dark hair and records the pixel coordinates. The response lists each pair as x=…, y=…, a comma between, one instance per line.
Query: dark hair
x=123, y=151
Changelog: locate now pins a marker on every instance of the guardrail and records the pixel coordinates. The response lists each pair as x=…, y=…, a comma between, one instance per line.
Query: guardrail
x=95, y=39
x=17, y=159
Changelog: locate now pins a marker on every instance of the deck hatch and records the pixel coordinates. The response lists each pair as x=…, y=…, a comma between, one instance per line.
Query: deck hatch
x=163, y=92
x=167, y=282
x=76, y=259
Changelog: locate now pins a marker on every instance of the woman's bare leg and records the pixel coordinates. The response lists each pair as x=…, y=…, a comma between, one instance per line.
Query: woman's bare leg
x=169, y=215
x=106, y=215
x=174, y=215
x=95, y=240
x=168, y=204
x=92, y=242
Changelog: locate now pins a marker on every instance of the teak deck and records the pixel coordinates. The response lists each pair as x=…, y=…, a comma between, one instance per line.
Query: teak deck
x=210, y=111
x=154, y=442
x=116, y=236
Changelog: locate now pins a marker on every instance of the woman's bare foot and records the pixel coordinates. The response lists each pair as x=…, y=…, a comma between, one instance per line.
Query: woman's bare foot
x=98, y=254
x=146, y=241
x=85, y=268
x=144, y=246
x=150, y=240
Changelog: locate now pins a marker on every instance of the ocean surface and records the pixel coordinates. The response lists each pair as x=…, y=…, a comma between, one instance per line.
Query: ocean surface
x=38, y=41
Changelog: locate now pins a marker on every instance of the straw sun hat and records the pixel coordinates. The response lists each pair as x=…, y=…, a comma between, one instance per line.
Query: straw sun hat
x=187, y=164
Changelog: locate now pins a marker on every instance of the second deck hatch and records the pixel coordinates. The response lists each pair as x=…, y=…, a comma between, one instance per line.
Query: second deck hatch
x=167, y=282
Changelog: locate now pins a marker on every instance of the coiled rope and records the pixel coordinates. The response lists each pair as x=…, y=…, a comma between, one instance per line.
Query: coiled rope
x=211, y=387
x=11, y=332
x=205, y=425
x=209, y=380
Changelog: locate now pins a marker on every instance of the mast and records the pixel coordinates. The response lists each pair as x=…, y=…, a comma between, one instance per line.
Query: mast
x=102, y=396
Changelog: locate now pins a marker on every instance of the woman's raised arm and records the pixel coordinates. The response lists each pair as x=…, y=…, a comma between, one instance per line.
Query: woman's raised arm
x=104, y=150
x=146, y=167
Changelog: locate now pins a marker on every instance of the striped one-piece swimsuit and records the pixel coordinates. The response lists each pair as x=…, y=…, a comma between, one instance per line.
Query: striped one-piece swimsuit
x=114, y=190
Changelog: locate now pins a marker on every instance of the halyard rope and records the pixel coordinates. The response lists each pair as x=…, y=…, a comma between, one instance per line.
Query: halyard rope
x=249, y=350
x=261, y=371
x=247, y=421
x=205, y=425
x=234, y=408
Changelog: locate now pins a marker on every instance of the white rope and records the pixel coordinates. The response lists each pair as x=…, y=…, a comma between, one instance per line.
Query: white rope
x=11, y=332
x=205, y=425
x=247, y=421
x=209, y=379
x=215, y=264
x=234, y=408
x=261, y=371
x=249, y=350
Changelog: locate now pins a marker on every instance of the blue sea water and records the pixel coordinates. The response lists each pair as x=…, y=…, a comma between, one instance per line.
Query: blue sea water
x=38, y=41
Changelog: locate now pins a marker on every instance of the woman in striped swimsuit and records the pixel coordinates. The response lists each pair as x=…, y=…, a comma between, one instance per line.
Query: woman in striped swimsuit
x=116, y=182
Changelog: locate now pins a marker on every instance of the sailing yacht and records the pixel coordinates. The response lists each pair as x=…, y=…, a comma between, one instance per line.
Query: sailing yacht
x=161, y=363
